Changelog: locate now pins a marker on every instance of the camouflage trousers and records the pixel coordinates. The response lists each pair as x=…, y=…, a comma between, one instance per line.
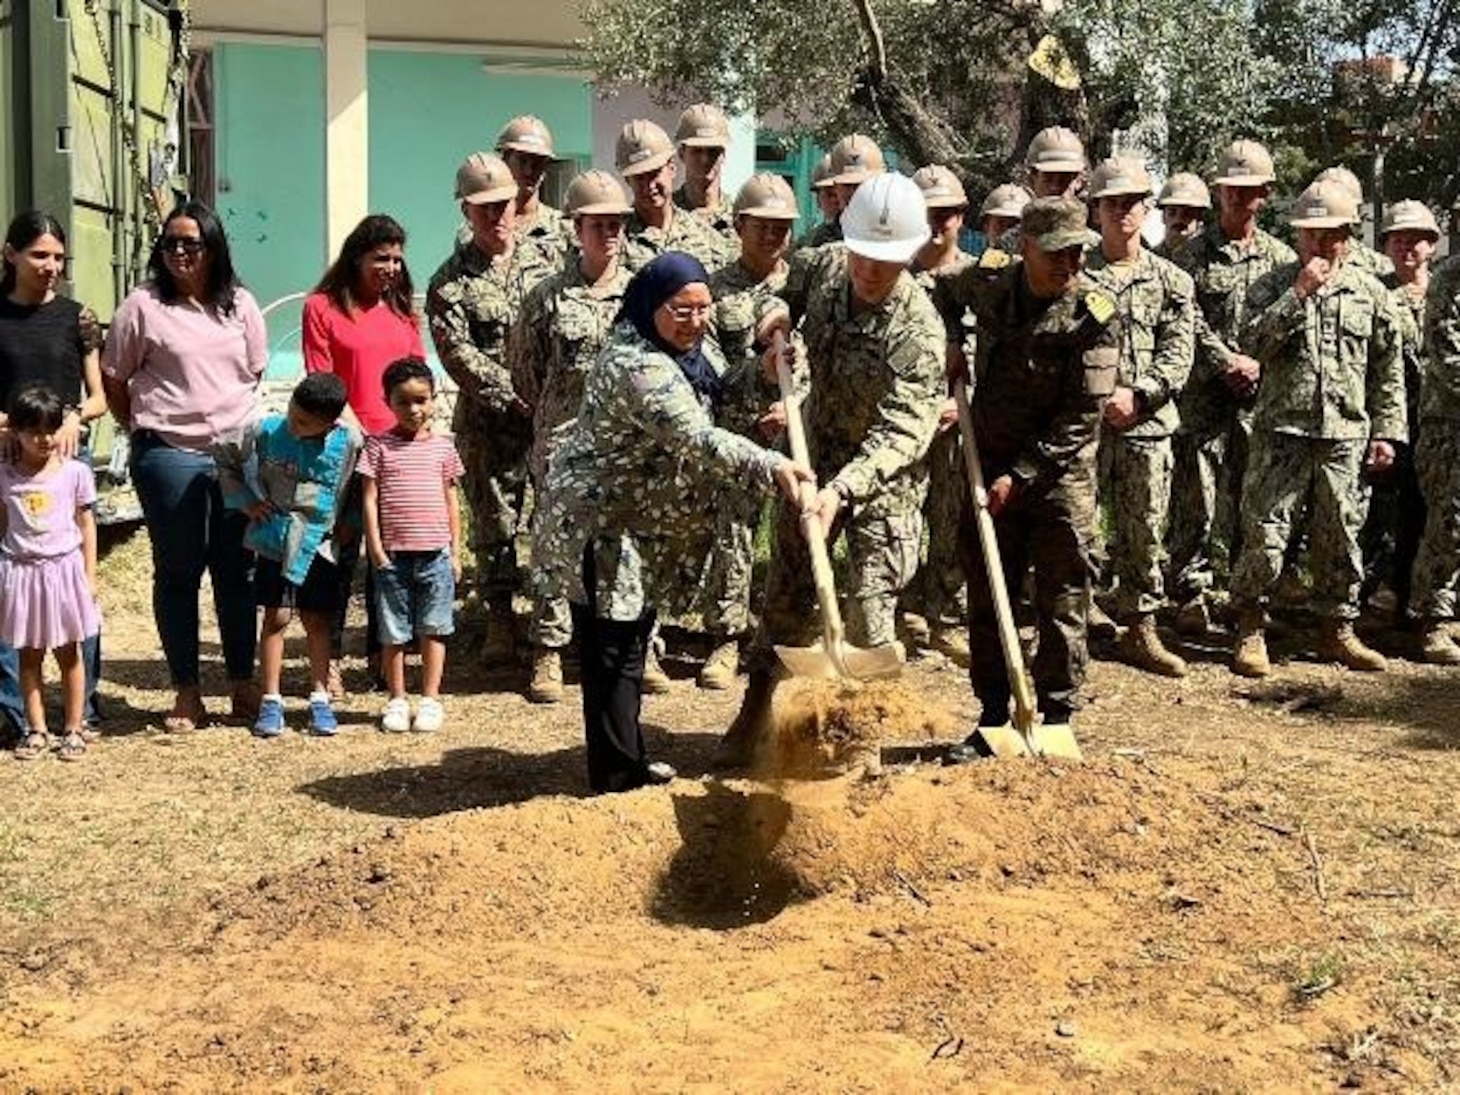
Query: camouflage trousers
x=882, y=556
x=1284, y=473
x=1206, y=502
x=1437, y=566
x=938, y=593
x=493, y=449
x=730, y=570
x=1051, y=529
x=551, y=623
x=1135, y=488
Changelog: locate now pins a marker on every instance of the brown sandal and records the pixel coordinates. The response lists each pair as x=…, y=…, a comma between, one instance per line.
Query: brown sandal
x=72, y=746
x=33, y=745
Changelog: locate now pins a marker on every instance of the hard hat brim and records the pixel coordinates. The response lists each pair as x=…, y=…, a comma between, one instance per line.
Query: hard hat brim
x=1428, y=230
x=848, y=178
x=1181, y=203
x=770, y=212
x=950, y=202
x=643, y=167
x=1243, y=180
x=531, y=150
x=1057, y=166
x=615, y=209
x=899, y=251
x=487, y=197
x=1015, y=211
x=823, y=184
x=1121, y=191
x=1323, y=222
x=704, y=142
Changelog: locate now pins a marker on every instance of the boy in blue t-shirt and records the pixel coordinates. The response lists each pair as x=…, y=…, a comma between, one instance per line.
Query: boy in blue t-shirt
x=290, y=473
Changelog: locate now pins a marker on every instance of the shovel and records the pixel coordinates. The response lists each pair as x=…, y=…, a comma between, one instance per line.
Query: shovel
x=833, y=657
x=1024, y=737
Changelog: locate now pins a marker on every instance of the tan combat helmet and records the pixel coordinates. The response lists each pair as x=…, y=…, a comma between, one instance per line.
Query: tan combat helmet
x=941, y=188
x=1410, y=216
x=642, y=147
x=596, y=192
x=703, y=125
x=1057, y=150
x=1344, y=178
x=1008, y=200
x=1327, y=203
x=856, y=159
x=821, y=177
x=769, y=196
x=1245, y=163
x=1057, y=224
x=1120, y=175
x=1186, y=190
x=526, y=133
x=484, y=179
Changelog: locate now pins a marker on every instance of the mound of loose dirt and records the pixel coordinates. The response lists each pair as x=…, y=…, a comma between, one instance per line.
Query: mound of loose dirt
x=822, y=726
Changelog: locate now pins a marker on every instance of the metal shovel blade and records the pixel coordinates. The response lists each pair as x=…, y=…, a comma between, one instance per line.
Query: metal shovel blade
x=1057, y=740
x=1002, y=741
x=849, y=662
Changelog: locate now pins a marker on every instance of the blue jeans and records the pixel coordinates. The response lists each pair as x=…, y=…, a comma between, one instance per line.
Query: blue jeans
x=191, y=532
x=12, y=708
x=415, y=595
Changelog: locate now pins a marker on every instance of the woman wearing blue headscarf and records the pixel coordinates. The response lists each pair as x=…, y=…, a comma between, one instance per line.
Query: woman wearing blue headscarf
x=629, y=508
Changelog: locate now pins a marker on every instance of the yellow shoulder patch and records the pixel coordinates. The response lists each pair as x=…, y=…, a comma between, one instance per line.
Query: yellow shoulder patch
x=1100, y=306
x=993, y=259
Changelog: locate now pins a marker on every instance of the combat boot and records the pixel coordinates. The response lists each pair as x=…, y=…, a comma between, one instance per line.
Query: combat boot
x=546, y=685
x=1249, y=654
x=752, y=723
x=499, y=642
x=1435, y=645
x=952, y=643
x=1338, y=643
x=656, y=682
x=718, y=672
x=1141, y=647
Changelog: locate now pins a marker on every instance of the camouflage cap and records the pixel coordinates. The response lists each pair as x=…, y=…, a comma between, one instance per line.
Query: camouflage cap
x=483, y=179
x=1056, y=224
x=526, y=133
x=1120, y=175
x=1410, y=216
x=1008, y=200
x=1245, y=163
x=703, y=125
x=1057, y=150
x=941, y=188
x=1325, y=204
x=855, y=159
x=596, y=192
x=1344, y=178
x=641, y=147
x=821, y=177
x=1185, y=189
x=769, y=196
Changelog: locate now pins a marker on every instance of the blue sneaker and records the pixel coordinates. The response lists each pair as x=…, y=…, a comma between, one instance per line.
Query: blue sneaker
x=322, y=721
x=270, y=723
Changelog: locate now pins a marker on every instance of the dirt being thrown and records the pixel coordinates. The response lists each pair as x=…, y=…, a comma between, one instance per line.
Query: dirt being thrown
x=826, y=727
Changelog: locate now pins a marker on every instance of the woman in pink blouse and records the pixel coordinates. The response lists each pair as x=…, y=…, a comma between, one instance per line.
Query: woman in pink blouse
x=359, y=319
x=181, y=370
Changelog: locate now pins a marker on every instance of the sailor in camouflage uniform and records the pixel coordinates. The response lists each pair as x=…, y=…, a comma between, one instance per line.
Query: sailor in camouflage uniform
x=999, y=215
x=875, y=356
x=937, y=594
x=1184, y=203
x=824, y=191
x=1331, y=403
x=471, y=303
x=1360, y=253
x=644, y=155
x=1154, y=302
x=565, y=321
x=1215, y=407
x=631, y=498
x=1046, y=362
x=854, y=160
x=703, y=138
x=526, y=147
x=1055, y=167
x=745, y=292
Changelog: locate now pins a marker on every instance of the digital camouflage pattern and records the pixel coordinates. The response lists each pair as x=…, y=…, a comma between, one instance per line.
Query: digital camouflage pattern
x=1440, y=388
x=822, y=234
x=640, y=478
x=471, y=304
x=877, y=382
x=686, y=233
x=719, y=218
x=563, y=325
x=1437, y=566
x=549, y=231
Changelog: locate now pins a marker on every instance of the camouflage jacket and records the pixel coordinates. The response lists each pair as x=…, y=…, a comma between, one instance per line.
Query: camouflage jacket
x=1369, y=260
x=719, y=218
x=1409, y=317
x=953, y=294
x=928, y=281
x=877, y=381
x=1223, y=272
x=1042, y=373
x=1332, y=364
x=819, y=236
x=741, y=302
x=1440, y=388
x=1157, y=334
x=686, y=233
x=549, y=231
x=563, y=325
x=471, y=303
x=641, y=476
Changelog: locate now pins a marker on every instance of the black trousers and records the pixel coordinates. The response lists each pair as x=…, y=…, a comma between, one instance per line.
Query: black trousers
x=611, y=657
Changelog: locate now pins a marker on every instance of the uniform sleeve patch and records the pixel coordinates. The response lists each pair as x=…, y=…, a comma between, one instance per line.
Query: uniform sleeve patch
x=1100, y=306
x=993, y=259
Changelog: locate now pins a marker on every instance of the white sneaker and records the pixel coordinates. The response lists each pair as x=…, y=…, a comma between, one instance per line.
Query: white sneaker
x=396, y=718
x=429, y=716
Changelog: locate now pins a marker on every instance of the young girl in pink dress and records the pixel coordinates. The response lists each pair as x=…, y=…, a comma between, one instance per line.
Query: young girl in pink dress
x=47, y=565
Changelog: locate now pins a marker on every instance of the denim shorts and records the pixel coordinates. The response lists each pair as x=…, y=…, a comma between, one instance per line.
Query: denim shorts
x=415, y=596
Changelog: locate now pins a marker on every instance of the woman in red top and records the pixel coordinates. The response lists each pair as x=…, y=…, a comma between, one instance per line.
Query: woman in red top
x=361, y=317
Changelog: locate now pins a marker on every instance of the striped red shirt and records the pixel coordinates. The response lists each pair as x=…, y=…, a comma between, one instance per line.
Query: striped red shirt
x=412, y=477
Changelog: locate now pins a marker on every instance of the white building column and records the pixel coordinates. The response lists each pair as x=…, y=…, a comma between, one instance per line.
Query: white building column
x=347, y=119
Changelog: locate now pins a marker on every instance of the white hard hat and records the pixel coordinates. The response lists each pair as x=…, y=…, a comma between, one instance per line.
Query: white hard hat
x=887, y=219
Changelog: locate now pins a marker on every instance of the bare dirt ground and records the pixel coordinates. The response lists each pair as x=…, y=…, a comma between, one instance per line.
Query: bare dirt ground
x=1245, y=888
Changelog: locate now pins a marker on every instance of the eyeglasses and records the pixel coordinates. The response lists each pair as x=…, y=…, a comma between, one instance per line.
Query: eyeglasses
x=182, y=245
x=688, y=313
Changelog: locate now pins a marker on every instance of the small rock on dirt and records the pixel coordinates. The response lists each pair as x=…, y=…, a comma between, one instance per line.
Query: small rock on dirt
x=1065, y=1028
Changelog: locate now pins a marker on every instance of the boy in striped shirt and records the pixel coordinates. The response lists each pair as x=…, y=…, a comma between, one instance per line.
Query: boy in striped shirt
x=413, y=534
